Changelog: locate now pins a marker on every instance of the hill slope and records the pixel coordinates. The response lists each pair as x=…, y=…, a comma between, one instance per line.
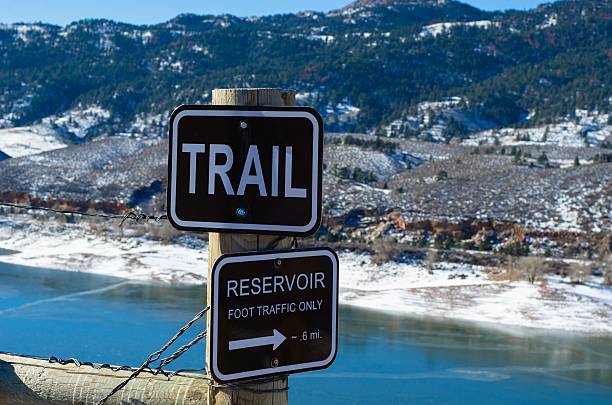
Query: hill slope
x=362, y=66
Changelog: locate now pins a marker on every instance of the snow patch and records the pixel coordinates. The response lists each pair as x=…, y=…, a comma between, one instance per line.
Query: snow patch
x=24, y=141
x=433, y=30
x=79, y=121
x=326, y=39
x=551, y=21
x=586, y=129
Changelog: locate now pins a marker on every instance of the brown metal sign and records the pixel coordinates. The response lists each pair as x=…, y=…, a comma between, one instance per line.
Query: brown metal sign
x=245, y=169
x=273, y=313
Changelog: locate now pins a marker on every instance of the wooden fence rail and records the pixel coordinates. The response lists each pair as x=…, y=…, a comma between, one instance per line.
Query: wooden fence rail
x=25, y=381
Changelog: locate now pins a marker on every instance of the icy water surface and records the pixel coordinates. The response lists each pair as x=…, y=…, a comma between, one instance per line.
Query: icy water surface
x=382, y=359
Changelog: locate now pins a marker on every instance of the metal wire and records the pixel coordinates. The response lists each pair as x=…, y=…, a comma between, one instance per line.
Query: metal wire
x=76, y=362
x=155, y=356
x=179, y=352
x=131, y=215
x=58, y=211
x=138, y=217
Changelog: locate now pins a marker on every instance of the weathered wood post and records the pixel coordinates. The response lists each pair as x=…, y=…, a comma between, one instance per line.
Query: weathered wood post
x=26, y=381
x=221, y=243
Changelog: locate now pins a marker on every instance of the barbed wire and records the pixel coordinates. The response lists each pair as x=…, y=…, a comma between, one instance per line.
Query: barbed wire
x=156, y=355
x=178, y=353
x=140, y=218
x=76, y=362
x=169, y=374
x=134, y=216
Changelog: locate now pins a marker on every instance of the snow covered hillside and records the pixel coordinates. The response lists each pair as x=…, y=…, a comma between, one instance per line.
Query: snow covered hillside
x=586, y=129
x=433, y=30
x=24, y=141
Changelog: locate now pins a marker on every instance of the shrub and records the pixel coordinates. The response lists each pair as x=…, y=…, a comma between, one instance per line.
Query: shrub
x=384, y=251
x=430, y=259
x=442, y=175
x=578, y=274
x=607, y=270
x=377, y=144
x=531, y=268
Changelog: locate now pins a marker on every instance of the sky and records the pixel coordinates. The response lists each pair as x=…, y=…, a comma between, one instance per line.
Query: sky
x=62, y=12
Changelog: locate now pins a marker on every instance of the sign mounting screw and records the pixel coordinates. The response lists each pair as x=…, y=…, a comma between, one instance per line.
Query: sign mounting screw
x=241, y=213
x=278, y=263
x=243, y=125
x=274, y=362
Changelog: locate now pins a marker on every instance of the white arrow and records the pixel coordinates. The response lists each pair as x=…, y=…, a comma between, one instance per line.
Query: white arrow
x=276, y=339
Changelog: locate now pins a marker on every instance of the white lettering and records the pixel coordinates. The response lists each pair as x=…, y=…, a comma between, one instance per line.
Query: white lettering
x=319, y=278
x=289, y=190
x=267, y=285
x=240, y=313
x=305, y=284
x=275, y=284
x=274, y=171
x=256, y=286
x=231, y=287
x=290, y=283
x=220, y=170
x=252, y=172
x=244, y=285
x=256, y=179
x=193, y=149
x=278, y=283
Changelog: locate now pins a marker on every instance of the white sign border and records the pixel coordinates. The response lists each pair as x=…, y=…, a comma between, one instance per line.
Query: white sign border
x=282, y=369
x=229, y=226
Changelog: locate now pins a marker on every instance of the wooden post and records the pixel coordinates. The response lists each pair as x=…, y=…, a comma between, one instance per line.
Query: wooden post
x=221, y=243
x=26, y=381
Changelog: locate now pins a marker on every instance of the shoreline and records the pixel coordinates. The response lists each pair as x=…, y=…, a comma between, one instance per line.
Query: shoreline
x=449, y=291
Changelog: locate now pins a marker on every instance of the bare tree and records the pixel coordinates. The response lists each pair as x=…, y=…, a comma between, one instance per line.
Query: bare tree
x=430, y=258
x=579, y=274
x=531, y=268
x=607, y=270
x=384, y=250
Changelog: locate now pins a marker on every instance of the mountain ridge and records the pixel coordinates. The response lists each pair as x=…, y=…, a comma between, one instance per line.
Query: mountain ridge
x=362, y=70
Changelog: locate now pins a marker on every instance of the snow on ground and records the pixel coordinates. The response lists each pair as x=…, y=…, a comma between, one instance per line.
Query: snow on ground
x=431, y=120
x=452, y=291
x=410, y=289
x=79, y=121
x=551, y=21
x=75, y=248
x=343, y=111
x=25, y=31
x=138, y=35
x=434, y=30
x=326, y=39
x=24, y=141
x=382, y=165
x=586, y=129
x=307, y=98
x=149, y=124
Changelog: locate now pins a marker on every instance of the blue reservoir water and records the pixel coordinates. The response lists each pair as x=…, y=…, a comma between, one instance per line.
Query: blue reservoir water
x=382, y=359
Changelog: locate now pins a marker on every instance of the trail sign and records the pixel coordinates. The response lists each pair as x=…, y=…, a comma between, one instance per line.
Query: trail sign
x=245, y=169
x=273, y=313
